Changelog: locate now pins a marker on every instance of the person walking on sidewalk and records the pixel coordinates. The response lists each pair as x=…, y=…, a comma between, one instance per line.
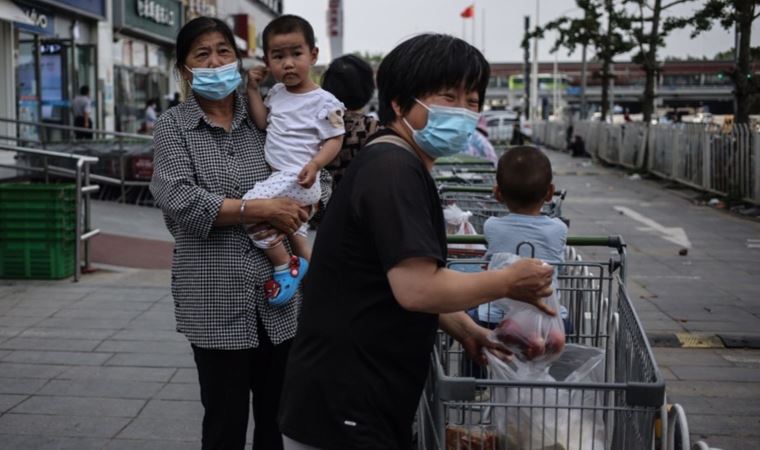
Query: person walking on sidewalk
x=81, y=107
x=208, y=153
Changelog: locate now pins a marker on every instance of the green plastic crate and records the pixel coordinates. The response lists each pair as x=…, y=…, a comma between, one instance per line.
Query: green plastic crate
x=36, y=234
x=38, y=196
x=43, y=260
x=34, y=217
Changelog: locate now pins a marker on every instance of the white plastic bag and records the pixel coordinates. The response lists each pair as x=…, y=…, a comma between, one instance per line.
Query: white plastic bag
x=458, y=222
x=535, y=337
x=551, y=418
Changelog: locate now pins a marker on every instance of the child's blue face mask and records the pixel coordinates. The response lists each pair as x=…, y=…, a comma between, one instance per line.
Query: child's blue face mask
x=447, y=131
x=216, y=83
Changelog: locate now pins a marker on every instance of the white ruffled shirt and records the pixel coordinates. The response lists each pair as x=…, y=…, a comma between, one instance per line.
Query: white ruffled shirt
x=297, y=125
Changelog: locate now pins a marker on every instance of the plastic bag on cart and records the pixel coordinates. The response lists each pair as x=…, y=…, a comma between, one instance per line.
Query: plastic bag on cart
x=458, y=222
x=546, y=417
x=535, y=337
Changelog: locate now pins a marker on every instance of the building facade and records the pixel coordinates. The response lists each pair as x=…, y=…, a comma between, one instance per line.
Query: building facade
x=143, y=47
x=54, y=57
x=122, y=49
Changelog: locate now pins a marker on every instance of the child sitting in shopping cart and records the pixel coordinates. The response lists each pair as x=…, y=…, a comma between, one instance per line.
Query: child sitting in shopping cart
x=524, y=184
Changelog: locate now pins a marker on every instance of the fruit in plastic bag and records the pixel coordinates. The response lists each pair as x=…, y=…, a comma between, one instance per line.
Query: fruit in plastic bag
x=520, y=340
x=532, y=335
x=555, y=341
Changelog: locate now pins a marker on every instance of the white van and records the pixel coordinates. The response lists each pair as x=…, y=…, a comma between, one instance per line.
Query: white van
x=499, y=124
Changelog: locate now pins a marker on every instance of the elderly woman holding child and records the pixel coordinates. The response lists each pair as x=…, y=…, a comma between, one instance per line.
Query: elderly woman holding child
x=348, y=372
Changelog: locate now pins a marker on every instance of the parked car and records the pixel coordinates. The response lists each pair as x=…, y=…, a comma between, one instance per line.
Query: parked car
x=500, y=125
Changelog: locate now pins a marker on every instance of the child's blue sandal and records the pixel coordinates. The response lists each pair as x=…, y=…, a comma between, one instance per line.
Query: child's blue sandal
x=284, y=283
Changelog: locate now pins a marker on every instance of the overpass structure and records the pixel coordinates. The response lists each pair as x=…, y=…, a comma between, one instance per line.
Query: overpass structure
x=679, y=84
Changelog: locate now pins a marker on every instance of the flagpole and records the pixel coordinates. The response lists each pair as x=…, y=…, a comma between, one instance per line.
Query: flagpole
x=473, y=26
x=463, y=36
x=483, y=31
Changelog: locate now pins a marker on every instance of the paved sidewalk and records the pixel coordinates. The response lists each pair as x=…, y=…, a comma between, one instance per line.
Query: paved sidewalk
x=709, y=297
x=95, y=365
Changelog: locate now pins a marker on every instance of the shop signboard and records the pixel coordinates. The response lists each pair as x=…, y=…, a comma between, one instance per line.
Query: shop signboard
x=44, y=20
x=90, y=8
x=198, y=8
x=158, y=20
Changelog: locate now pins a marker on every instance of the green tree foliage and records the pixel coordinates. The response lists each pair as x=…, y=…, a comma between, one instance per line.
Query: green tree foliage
x=738, y=15
x=649, y=28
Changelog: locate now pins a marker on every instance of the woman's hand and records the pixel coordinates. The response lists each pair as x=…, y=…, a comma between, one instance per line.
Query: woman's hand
x=473, y=337
x=477, y=340
x=531, y=281
x=283, y=214
x=256, y=76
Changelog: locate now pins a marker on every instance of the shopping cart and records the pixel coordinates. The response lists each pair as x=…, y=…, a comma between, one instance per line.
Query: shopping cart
x=472, y=176
x=458, y=412
x=479, y=200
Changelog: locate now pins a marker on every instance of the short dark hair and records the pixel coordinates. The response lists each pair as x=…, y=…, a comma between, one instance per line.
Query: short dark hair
x=288, y=24
x=523, y=176
x=197, y=28
x=425, y=64
x=351, y=80
x=84, y=90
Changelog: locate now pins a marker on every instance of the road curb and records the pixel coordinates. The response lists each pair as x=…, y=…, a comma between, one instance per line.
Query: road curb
x=702, y=340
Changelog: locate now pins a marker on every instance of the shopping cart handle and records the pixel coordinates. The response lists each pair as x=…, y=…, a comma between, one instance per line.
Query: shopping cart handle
x=464, y=188
x=578, y=241
x=615, y=242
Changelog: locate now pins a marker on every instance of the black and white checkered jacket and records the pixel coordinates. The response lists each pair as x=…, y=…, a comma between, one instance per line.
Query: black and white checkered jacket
x=217, y=274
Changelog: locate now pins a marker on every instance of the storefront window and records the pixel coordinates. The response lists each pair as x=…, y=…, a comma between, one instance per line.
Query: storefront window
x=134, y=86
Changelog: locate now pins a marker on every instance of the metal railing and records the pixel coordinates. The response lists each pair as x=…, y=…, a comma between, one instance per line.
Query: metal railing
x=81, y=175
x=720, y=160
x=120, y=138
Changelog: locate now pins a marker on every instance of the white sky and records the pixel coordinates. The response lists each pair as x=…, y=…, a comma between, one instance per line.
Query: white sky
x=379, y=25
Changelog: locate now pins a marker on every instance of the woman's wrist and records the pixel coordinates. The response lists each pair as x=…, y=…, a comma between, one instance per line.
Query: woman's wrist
x=242, y=211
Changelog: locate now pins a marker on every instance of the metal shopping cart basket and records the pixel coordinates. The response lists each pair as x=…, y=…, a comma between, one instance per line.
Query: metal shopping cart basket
x=458, y=412
x=479, y=200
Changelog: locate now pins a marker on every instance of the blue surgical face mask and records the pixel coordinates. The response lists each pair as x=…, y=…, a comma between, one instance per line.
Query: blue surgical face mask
x=216, y=83
x=447, y=131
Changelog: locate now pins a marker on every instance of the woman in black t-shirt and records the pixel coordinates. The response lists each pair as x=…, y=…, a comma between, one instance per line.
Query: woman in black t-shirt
x=377, y=288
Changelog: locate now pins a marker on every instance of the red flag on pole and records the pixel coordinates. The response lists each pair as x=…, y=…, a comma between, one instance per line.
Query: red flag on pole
x=468, y=12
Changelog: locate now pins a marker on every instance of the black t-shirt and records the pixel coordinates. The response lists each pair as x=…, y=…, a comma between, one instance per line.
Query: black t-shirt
x=359, y=360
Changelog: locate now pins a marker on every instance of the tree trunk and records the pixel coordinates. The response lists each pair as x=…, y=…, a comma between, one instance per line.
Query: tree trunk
x=745, y=10
x=605, y=86
x=650, y=63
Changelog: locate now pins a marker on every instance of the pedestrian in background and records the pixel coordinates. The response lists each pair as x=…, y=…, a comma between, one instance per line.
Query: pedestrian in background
x=352, y=81
x=151, y=116
x=81, y=107
x=208, y=153
x=518, y=138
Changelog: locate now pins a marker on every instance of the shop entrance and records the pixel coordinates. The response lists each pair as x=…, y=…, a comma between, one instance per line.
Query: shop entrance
x=49, y=74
